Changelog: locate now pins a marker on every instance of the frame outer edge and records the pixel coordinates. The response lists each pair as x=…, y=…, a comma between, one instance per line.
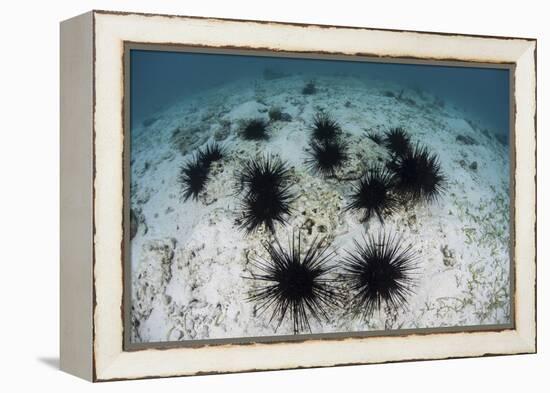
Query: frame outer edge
x=113, y=363
x=76, y=196
x=526, y=199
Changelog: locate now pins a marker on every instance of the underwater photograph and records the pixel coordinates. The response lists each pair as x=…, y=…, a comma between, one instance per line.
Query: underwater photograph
x=286, y=196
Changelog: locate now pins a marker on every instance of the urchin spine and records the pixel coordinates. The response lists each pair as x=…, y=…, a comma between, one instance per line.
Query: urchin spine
x=419, y=176
x=194, y=174
x=265, y=186
x=374, y=194
x=380, y=271
x=326, y=157
x=297, y=282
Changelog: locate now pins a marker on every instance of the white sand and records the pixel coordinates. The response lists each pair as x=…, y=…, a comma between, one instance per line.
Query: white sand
x=189, y=258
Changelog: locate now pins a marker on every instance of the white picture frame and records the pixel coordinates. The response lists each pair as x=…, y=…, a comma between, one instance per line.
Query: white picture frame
x=93, y=193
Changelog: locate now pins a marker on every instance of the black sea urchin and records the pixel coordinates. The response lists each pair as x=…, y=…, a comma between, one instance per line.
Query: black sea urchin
x=192, y=177
x=255, y=129
x=265, y=210
x=418, y=175
x=376, y=137
x=297, y=284
x=324, y=128
x=326, y=157
x=379, y=271
x=194, y=174
x=267, y=195
x=373, y=194
x=213, y=152
x=263, y=175
x=397, y=141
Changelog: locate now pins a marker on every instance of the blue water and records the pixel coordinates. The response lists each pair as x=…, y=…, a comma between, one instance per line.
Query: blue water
x=161, y=78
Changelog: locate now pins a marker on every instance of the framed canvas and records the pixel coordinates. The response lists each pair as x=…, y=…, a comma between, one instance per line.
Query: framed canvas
x=245, y=195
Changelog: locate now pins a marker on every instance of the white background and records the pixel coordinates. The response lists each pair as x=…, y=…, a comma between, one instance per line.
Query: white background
x=29, y=197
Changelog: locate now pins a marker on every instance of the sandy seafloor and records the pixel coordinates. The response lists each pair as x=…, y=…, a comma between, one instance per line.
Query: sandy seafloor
x=188, y=258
